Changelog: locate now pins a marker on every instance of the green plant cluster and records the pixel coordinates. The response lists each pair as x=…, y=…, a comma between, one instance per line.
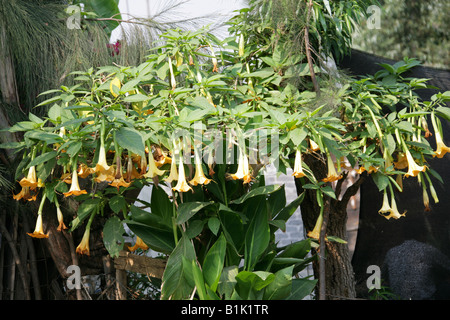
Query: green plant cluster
x=121, y=128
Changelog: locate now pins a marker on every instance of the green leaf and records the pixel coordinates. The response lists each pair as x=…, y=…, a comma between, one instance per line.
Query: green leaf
x=214, y=225
x=118, y=203
x=289, y=210
x=131, y=139
x=136, y=98
x=113, y=236
x=281, y=287
x=249, y=284
x=161, y=205
x=106, y=9
x=157, y=238
x=257, y=237
x=42, y=158
x=194, y=228
x=381, y=180
x=84, y=210
x=47, y=137
x=187, y=210
x=256, y=192
x=213, y=263
x=301, y=288
x=174, y=284
x=443, y=112
x=227, y=281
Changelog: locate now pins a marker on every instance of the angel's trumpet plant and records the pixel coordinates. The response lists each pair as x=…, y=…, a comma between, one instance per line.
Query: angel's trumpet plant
x=332, y=174
x=60, y=216
x=83, y=247
x=140, y=244
x=243, y=170
x=39, y=229
x=182, y=185
x=441, y=148
x=199, y=177
x=298, y=169
x=75, y=189
x=30, y=181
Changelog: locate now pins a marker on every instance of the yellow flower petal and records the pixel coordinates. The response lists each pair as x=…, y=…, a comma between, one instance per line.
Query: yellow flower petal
x=182, y=185
x=30, y=181
x=138, y=245
x=75, y=187
x=39, y=229
x=298, y=169
x=83, y=247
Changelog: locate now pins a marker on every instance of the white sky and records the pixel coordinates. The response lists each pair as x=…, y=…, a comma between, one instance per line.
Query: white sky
x=190, y=9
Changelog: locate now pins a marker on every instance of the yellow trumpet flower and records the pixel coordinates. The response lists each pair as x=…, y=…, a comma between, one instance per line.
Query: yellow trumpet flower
x=413, y=167
x=243, y=170
x=313, y=145
x=332, y=174
x=199, y=177
x=298, y=169
x=114, y=83
x=30, y=181
x=182, y=185
x=173, y=175
x=25, y=194
x=39, y=229
x=102, y=165
x=441, y=148
x=385, y=208
x=84, y=171
x=83, y=247
x=153, y=170
x=74, y=187
x=315, y=233
x=393, y=211
x=138, y=245
x=118, y=178
x=60, y=217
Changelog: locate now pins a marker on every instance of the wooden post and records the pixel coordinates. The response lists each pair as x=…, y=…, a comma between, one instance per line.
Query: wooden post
x=127, y=261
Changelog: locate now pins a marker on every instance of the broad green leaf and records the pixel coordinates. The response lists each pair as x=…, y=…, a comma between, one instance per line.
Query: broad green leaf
x=136, y=98
x=227, y=281
x=381, y=180
x=214, y=225
x=301, y=288
x=42, y=158
x=188, y=209
x=174, y=286
x=113, y=239
x=47, y=137
x=84, y=210
x=281, y=287
x=131, y=140
x=213, y=263
x=257, y=237
x=157, y=238
x=249, y=284
x=264, y=190
x=161, y=205
x=118, y=203
x=289, y=210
